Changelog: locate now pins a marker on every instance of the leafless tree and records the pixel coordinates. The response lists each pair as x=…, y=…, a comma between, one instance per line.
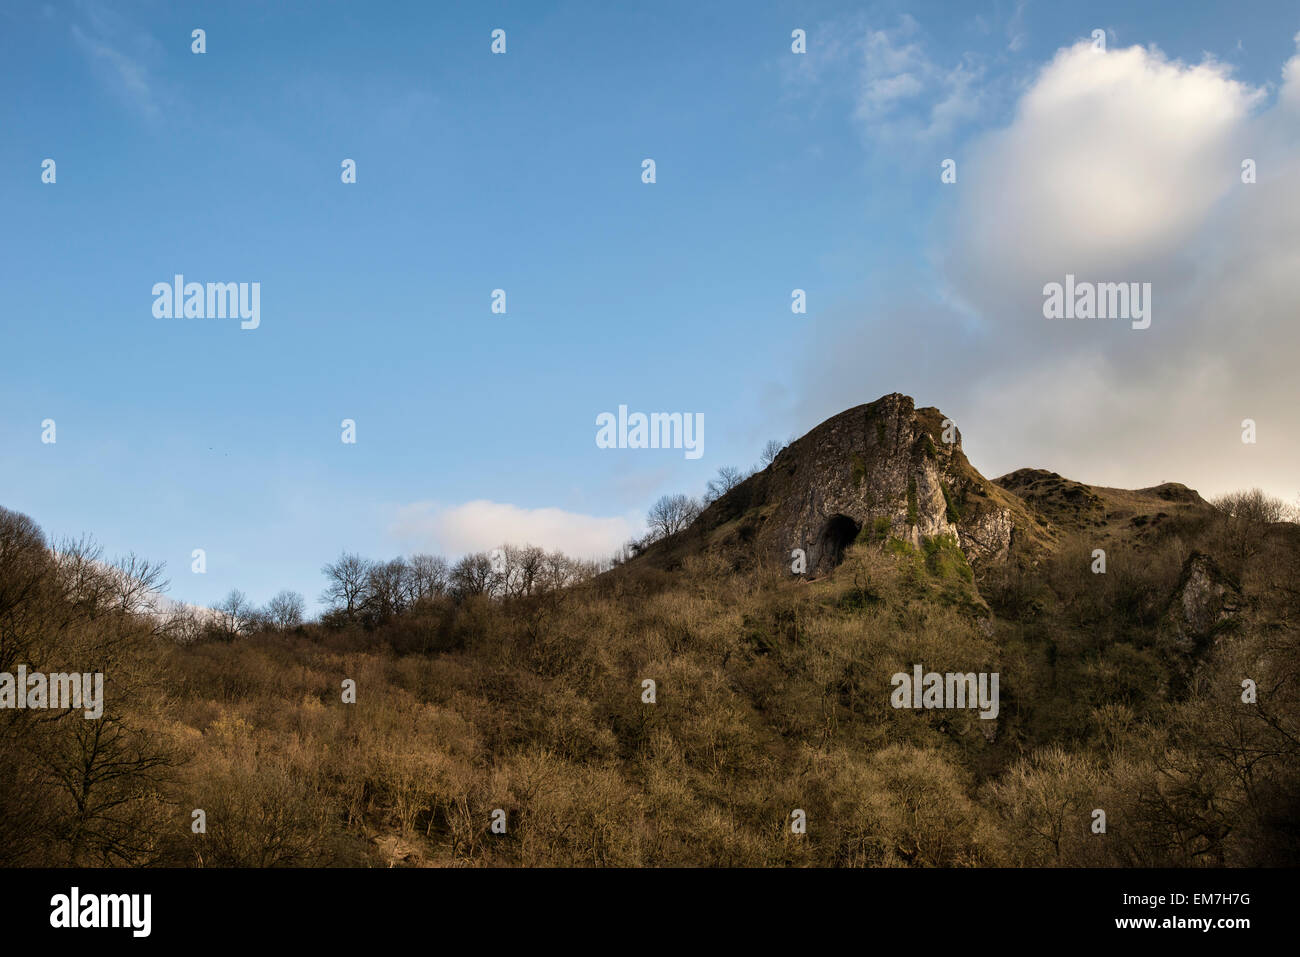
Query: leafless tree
x=560, y=571
x=386, y=588
x=426, y=577
x=770, y=451
x=519, y=568
x=182, y=624
x=285, y=610
x=473, y=575
x=76, y=791
x=1253, y=506
x=671, y=514
x=348, y=578
x=726, y=479
x=25, y=573
x=1244, y=518
x=234, y=614
x=81, y=573
x=137, y=583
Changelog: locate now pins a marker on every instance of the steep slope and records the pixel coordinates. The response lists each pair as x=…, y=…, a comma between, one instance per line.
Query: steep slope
x=882, y=470
x=888, y=470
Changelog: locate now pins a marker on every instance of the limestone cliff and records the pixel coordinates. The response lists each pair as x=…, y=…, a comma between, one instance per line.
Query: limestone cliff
x=881, y=470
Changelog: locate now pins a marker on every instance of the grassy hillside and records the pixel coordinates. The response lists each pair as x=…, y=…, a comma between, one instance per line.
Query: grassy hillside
x=772, y=694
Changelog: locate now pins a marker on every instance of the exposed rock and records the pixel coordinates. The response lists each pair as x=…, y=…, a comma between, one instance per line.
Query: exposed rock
x=880, y=470
x=890, y=470
x=1204, y=601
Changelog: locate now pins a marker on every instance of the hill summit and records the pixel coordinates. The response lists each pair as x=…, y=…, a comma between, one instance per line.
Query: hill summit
x=888, y=470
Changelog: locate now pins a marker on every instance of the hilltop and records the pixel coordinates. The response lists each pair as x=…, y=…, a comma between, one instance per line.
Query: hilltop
x=681, y=707
x=890, y=471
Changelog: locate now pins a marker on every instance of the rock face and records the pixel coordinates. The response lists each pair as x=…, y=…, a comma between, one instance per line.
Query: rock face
x=1204, y=600
x=881, y=470
x=888, y=470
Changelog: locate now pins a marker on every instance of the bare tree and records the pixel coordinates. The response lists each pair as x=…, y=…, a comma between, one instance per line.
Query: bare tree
x=558, y=571
x=426, y=577
x=25, y=575
x=387, y=585
x=671, y=514
x=234, y=614
x=726, y=479
x=182, y=624
x=520, y=569
x=473, y=575
x=285, y=610
x=76, y=791
x=1244, y=518
x=1253, y=506
x=770, y=451
x=137, y=583
x=348, y=578
x=81, y=572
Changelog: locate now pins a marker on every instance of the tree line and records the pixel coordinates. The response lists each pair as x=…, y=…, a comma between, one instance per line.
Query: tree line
x=360, y=590
x=363, y=591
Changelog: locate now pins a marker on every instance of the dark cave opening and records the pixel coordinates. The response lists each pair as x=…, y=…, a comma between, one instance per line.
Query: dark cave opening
x=837, y=534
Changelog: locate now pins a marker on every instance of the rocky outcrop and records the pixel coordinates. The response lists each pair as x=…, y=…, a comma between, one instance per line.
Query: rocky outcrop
x=875, y=471
x=1205, y=600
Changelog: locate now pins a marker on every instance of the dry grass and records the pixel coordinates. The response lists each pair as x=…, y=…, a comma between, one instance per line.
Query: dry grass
x=772, y=696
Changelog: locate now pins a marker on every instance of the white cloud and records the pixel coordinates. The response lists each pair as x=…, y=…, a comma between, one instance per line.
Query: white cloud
x=1126, y=166
x=482, y=525
x=1290, y=92
x=1116, y=166
x=1111, y=161
x=899, y=92
x=904, y=93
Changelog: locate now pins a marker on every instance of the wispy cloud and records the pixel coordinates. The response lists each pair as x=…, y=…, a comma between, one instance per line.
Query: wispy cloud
x=1017, y=36
x=104, y=38
x=481, y=525
x=899, y=89
x=904, y=92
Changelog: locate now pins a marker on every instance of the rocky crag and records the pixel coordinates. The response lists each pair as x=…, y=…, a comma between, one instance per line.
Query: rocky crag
x=890, y=471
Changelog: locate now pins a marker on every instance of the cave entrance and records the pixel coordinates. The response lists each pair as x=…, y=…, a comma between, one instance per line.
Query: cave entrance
x=838, y=533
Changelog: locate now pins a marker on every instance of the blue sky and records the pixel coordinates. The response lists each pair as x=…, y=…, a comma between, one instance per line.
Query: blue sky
x=522, y=171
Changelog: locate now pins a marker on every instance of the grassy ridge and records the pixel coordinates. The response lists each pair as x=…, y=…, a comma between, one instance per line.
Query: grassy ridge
x=772, y=694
